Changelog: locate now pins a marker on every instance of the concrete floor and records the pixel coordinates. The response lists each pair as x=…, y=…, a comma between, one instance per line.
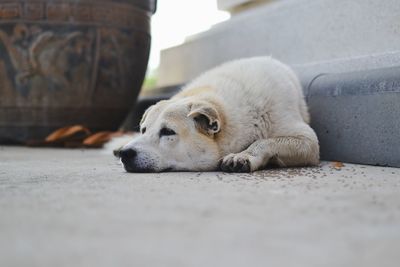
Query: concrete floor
x=78, y=208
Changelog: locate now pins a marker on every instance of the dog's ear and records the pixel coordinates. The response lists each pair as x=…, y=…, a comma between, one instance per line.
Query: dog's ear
x=206, y=117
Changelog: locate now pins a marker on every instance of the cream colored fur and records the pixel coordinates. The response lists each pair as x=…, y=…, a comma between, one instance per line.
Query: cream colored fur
x=239, y=116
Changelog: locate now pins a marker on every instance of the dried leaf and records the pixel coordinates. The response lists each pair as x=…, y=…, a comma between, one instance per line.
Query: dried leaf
x=100, y=138
x=337, y=165
x=69, y=133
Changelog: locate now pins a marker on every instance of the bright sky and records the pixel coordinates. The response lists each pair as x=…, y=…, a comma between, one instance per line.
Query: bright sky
x=177, y=19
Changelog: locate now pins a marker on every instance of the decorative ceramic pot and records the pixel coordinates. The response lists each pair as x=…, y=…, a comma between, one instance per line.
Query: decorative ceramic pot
x=65, y=62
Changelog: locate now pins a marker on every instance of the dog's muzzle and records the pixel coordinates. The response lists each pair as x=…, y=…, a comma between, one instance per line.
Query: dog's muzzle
x=129, y=160
x=127, y=157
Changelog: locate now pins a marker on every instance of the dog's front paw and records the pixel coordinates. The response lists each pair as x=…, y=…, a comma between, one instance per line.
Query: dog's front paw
x=236, y=163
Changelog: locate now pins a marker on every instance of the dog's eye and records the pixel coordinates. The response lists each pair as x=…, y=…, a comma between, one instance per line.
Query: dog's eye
x=166, y=131
x=143, y=130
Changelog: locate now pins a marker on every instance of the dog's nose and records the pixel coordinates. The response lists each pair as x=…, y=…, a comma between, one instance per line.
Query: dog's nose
x=127, y=155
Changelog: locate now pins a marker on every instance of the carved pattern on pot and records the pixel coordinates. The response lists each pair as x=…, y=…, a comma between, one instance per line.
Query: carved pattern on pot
x=38, y=55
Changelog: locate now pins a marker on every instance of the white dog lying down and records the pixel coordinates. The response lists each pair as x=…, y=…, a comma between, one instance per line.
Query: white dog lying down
x=238, y=117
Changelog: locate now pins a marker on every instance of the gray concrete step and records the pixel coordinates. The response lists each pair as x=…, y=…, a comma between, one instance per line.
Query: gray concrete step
x=293, y=31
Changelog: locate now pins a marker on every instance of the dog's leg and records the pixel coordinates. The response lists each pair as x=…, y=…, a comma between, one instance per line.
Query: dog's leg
x=298, y=149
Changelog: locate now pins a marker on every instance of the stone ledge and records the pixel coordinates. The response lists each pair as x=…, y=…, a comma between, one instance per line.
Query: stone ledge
x=356, y=115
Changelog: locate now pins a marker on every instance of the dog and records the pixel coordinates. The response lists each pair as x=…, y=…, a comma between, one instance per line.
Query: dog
x=237, y=117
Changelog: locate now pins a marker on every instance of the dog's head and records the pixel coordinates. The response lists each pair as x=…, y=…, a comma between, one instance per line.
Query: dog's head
x=176, y=135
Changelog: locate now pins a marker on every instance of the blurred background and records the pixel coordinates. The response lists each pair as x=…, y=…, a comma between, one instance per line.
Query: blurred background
x=68, y=63
x=175, y=20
